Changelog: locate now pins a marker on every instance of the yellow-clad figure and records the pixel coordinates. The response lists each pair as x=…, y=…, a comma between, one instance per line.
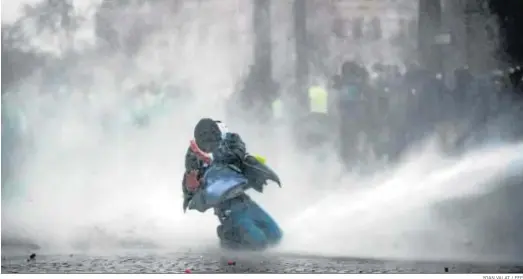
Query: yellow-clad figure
x=318, y=100
x=316, y=127
x=277, y=109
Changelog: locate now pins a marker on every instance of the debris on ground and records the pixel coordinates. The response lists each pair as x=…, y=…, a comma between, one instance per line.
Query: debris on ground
x=32, y=257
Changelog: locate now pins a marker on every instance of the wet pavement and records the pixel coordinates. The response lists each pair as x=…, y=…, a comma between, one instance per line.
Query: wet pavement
x=230, y=263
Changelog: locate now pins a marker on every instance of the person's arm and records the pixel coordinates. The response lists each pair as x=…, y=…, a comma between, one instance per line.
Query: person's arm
x=192, y=162
x=190, y=181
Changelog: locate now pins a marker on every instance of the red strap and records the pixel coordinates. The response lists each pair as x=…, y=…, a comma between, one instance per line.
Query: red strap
x=201, y=155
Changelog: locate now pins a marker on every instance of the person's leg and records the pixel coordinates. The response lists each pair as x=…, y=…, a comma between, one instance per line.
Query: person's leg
x=248, y=231
x=227, y=237
x=266, y=223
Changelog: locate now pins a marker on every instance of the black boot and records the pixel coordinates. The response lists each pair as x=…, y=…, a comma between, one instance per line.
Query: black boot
x=226, y=237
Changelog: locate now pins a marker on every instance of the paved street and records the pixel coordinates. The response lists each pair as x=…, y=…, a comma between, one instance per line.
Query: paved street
x=214, y=262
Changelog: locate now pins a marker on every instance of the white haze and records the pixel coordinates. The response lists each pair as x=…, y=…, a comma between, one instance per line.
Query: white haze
x=87, y=187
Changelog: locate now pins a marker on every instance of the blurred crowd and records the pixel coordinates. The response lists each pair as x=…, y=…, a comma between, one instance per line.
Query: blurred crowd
x=368, y=114
x=378, y=112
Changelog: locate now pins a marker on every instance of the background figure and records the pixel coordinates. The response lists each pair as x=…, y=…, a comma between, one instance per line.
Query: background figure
x=316, y=127
x=353, y=110
x=15, y=146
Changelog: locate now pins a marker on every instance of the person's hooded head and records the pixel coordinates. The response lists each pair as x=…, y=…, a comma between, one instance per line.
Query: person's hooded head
x=208, y=133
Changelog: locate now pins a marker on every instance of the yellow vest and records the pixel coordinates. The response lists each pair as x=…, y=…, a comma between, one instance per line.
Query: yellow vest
x=277, y=109
x=318, y=100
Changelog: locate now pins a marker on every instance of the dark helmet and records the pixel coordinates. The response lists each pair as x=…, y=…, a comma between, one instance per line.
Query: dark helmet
x=207, y=134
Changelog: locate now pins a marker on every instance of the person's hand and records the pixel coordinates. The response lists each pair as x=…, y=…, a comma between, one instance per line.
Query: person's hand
x=192, y=181
x=199, y=153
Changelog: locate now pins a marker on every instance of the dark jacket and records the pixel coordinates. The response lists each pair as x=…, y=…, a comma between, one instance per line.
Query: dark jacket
x=231, y=150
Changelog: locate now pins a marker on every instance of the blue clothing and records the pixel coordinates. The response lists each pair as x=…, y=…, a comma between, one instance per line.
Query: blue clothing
x=245, y=223
x=230, y=151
